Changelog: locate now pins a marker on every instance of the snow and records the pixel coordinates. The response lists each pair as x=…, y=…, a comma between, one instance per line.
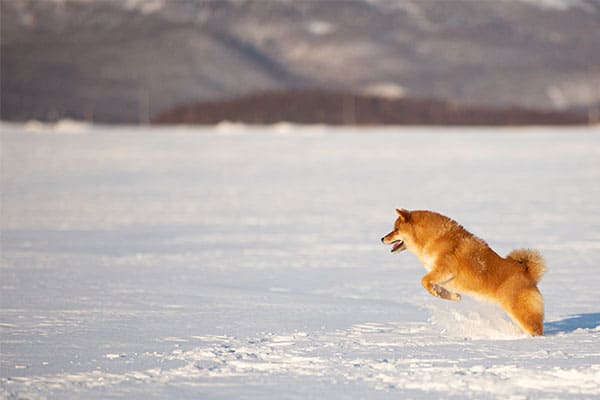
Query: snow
x=320, y=28
x=387, y=90
x=245, y=262
x=145, y=6
x=562, y=5
x=62, y=126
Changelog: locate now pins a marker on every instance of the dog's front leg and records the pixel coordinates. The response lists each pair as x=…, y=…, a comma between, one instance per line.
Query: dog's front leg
x=432, y=283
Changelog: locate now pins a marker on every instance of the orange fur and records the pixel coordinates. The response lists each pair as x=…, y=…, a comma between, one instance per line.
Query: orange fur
x=459, y=262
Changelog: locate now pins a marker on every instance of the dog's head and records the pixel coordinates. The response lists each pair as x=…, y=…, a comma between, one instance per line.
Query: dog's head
x=401, y=233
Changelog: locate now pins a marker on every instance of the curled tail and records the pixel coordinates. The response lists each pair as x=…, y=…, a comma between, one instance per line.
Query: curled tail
x=533, y=261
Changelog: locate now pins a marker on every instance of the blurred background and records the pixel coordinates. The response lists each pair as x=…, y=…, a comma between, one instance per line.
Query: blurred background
x=338, y=62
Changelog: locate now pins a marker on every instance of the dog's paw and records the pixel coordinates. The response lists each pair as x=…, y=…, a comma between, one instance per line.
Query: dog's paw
x=439, y=291
x=444, y=293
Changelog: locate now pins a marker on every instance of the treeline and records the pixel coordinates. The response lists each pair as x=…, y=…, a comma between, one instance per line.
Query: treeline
x=336, y=108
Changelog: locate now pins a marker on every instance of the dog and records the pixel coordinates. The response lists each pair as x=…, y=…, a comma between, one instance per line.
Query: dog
x=459, y=262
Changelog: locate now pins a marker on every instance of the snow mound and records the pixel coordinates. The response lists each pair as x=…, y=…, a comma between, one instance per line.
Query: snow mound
x=229, y=127
x=63, y=126
x=471, y=319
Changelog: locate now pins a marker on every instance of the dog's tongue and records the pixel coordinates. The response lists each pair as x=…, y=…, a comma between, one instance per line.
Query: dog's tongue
x=396, y=245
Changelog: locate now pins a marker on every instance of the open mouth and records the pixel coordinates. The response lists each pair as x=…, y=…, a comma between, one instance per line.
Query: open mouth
x=397, y=245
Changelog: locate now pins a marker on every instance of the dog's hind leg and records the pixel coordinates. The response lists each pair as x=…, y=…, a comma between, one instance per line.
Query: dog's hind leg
x=433, y=282
x=526, y=307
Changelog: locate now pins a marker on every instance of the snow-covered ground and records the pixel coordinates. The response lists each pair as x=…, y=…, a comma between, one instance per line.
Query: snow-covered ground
x=244, y=262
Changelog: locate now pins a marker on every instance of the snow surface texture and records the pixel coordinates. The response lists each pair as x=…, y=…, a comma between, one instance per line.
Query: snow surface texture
x=245, y=262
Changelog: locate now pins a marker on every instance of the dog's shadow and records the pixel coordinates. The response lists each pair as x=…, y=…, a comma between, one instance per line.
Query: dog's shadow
x=572, y=323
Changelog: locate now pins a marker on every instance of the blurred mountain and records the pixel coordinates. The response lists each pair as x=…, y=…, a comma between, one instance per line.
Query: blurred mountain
x=128, y=60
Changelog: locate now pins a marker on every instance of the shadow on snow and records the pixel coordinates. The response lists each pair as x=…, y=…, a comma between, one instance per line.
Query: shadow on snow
x=572, y=323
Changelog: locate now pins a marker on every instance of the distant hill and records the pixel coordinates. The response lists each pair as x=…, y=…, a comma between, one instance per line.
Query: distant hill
x=336, y=108
x=129, y=60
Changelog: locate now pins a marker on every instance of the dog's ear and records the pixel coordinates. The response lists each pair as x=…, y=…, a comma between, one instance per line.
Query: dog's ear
x=403, y=214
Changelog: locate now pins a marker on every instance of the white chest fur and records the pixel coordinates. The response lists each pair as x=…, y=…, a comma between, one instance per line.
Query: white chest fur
x=427, y=260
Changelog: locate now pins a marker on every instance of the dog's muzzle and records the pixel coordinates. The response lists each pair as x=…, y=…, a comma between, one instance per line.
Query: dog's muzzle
x=397, y=245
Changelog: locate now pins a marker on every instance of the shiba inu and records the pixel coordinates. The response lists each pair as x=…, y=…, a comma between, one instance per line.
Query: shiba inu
x=459, y=262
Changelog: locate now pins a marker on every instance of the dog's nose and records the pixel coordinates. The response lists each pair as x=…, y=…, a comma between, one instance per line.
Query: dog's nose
x=382, y=240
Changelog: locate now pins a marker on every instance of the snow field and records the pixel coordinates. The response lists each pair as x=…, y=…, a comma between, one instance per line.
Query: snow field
x=245, y=262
